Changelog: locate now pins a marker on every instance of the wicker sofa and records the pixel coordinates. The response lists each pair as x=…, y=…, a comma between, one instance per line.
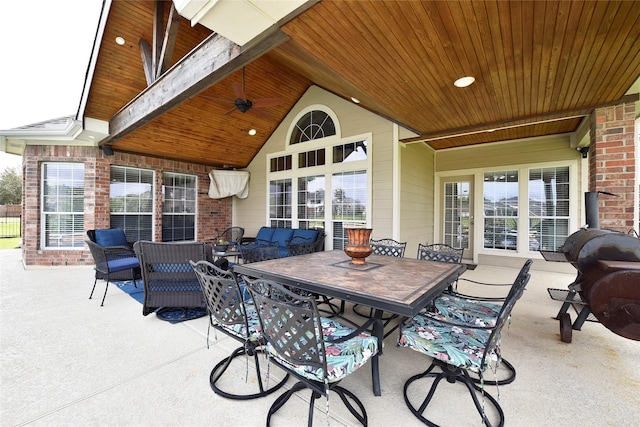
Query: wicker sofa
x=291, y=241
x=169, y=280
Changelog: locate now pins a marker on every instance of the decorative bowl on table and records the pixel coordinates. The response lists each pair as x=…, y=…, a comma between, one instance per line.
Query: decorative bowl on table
x=218, y=247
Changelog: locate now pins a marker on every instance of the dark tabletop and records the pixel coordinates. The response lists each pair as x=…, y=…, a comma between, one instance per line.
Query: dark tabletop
x=398, y=285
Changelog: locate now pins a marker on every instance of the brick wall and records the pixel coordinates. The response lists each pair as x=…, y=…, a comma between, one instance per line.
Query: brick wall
x=612, y=165
x=212, y=214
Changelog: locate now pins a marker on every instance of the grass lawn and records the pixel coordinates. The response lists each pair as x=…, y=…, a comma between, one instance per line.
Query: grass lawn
x=10, y=243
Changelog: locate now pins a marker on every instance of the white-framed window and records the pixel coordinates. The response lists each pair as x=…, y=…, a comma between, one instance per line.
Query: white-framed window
x=501, y=207
x=280, y=211
x=131, y=202
x=62, y=205
x=320, y=180
x=548, y=207
x=179, y=203
x=527, y=209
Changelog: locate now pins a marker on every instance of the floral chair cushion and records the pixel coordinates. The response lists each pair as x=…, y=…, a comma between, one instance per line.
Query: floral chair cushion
x=457, y=309
x=453, y=344
x=343, y=358
x=239, y=329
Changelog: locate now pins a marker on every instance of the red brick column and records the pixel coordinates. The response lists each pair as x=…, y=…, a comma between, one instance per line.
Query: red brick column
x=612, y=165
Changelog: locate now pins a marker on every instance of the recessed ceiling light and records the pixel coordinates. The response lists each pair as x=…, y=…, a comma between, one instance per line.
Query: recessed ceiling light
x=355, y=100
x=464, y=81
x=252, y=132
x=120, y=40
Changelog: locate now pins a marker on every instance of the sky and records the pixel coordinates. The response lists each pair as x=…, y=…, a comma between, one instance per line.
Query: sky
x=45, y=48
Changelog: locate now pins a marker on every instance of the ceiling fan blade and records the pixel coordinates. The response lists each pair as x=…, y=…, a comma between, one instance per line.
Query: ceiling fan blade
x=267, y=102
x=239, y=92
x=261, y=113
x=230, y=111
x=226, y=101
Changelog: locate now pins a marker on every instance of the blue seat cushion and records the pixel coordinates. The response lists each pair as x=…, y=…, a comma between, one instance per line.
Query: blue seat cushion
x=122, y=264
x=111, y=237
x=265, y=233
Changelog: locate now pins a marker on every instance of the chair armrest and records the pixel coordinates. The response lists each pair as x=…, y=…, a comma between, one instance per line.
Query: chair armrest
x=478, y=297
x=484, y=283
x=364, y=328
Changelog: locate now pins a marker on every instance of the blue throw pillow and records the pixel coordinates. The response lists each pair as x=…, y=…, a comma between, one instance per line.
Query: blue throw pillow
x=265, y=233
x=281, y=235
x=306, y=234
x=111, y=237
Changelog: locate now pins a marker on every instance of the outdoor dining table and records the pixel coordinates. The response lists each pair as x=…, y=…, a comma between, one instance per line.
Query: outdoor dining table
x=401, y=286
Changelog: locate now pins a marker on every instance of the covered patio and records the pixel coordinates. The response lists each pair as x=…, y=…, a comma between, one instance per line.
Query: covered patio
x=68, y=361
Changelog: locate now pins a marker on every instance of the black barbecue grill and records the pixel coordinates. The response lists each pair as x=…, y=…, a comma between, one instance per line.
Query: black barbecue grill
x=607, y=287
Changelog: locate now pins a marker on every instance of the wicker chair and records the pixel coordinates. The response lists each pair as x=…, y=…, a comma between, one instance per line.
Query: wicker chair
x=458, y=351
x=319, y=352
x=111, y=260
x=169, y=280
x=112, y=237
x=237, y=318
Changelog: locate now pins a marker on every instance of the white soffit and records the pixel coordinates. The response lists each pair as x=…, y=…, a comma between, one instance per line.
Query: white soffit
x=237, y=20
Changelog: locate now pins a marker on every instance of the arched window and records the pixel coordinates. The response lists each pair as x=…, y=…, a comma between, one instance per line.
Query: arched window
x=313, y=125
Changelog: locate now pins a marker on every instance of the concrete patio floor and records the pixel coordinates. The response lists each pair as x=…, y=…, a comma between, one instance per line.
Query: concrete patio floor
x=66, y=361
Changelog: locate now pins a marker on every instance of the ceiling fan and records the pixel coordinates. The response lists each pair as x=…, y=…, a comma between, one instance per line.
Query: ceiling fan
x=244, y=104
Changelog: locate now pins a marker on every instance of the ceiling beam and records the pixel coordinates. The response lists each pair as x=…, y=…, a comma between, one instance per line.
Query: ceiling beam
x=525, y=121
x=169, y=42
x=209, y=63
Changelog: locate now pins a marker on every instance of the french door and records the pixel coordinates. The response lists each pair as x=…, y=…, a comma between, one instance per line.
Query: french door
x=457, y=213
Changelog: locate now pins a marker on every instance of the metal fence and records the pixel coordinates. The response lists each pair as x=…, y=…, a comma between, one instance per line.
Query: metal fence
x=10, y=221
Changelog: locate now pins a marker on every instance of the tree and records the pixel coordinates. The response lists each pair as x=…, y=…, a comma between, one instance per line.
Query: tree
x=11, y=186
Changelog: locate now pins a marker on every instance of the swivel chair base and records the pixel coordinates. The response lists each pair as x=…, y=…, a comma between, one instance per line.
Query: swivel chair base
x=222, y=366
x=358, y=411
x=452, y=374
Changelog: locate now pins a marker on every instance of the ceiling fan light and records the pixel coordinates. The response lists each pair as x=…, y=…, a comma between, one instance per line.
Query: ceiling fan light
x=464, y=81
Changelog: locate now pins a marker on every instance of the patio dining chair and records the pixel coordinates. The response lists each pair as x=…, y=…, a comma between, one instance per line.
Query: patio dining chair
x=318, y=351
x=230, y=313
x=473, y=310
x=385, y=247
x=233, y=235
x=458, y=351
x=440, y=252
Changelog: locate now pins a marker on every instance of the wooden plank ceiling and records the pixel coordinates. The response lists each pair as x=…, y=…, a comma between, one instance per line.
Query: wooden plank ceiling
x=539, y=68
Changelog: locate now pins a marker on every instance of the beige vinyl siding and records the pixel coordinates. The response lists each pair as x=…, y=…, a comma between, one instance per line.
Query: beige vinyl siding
x=533, y=150
x=416, y=196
